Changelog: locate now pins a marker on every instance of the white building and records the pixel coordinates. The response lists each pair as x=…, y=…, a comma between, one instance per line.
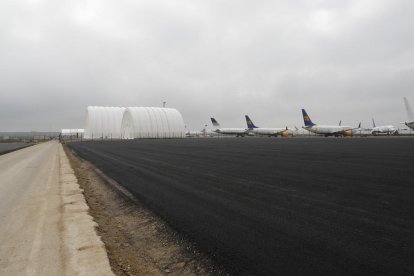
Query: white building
x=133, y=122
x=103, y=122
x=152, y=122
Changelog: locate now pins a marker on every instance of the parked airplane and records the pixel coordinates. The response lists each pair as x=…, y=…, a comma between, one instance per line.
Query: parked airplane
x=194, y=133
x=197, y=133
x=325, y=129
x=360, y=131
x=387, y=130
x=265, y=131
x=228, y=131
x=410, y=114
x=202, y=133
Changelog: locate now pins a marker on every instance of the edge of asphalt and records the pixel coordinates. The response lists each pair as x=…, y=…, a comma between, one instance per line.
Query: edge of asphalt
x=143, y=238
x=84, y=252
x=11, y=150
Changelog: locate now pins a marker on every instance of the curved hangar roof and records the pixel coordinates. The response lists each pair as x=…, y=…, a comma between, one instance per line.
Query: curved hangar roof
x=103, y=122
x=133, y=122
x=152, y=122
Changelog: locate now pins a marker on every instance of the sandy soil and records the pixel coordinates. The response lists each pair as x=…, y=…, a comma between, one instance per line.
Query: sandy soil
x=137, y=242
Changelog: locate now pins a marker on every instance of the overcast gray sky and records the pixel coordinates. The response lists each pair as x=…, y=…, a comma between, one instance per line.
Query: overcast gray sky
x=348, y=60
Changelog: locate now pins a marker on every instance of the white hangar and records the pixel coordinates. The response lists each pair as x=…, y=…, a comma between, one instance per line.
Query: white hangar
x=133, y=122
x=103, y=122
x=152, y=122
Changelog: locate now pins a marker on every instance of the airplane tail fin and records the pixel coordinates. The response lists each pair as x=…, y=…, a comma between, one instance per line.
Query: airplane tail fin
x=215, y=123
x=306, y=119
x=249, y=122
x=359, y=126
x=373, y=123
x=410, y=113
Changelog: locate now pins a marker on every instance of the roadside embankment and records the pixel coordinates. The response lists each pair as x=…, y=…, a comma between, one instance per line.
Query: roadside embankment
x=84, y=251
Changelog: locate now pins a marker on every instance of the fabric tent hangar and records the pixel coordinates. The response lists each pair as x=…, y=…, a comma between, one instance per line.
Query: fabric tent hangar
x=152, y=122
x=103, y=122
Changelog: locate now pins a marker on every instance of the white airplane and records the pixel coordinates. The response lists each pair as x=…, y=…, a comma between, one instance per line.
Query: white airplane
x=385, y=130
x=228, y=131
x=196, y=133
x=325, y=129
x=284, y=132
x=202, y=133
x=360, y=131
x=410, y=114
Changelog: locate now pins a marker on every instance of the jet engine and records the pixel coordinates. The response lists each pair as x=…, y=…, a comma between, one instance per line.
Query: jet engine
x=348, y=133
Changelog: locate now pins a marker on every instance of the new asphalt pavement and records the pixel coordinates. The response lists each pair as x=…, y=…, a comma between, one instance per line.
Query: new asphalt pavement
x=273, y=206
x=8, y=147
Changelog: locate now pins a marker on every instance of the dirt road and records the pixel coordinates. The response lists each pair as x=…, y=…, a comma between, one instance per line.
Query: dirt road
x=45, y=227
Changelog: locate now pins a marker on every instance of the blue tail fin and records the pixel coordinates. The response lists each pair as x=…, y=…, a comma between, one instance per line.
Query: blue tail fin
x=215, y=123
x=306, y=119
x=249, y=122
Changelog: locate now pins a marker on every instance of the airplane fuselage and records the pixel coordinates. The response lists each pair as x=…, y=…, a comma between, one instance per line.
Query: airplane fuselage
x=194, y=133
x=267, y=131
x=330, y=130
x=388, y=130
x=232, y=131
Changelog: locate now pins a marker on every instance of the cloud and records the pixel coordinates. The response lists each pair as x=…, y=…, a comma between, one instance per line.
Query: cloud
x=348, y=60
